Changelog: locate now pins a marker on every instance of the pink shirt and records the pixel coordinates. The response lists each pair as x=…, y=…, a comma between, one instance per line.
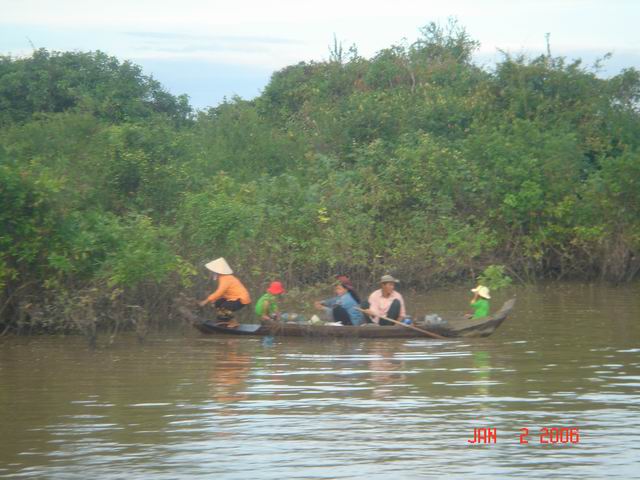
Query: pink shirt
x=379, y=304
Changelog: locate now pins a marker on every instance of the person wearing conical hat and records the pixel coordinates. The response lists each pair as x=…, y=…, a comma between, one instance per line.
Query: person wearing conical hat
x=230, y=296
x=480, y=302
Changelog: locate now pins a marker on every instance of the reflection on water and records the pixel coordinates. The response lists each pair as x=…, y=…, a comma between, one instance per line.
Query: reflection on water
x=385, y=372
x=239, y=408
x=229, y=372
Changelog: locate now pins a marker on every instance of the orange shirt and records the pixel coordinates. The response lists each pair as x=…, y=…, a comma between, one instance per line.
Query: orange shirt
x=230, y=288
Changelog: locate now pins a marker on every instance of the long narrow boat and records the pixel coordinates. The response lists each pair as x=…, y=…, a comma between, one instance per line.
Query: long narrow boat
x=462, y=327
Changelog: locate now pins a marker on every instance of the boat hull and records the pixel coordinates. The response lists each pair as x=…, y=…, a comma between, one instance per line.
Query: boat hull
x=461, y=328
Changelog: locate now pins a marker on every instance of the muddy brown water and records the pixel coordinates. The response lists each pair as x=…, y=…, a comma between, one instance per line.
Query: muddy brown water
x=184, y=405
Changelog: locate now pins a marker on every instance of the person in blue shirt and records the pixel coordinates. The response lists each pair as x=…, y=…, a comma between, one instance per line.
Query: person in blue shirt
x=342, y=308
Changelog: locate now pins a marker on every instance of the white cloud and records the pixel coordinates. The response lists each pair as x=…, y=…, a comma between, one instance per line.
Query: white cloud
x=371, y=24
x=272, y=34
x=202, y=13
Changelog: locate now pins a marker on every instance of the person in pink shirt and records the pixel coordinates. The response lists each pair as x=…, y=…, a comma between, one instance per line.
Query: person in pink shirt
x=385, y=302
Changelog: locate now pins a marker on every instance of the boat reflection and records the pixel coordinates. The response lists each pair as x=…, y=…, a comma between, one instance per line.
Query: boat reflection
x=228, y=379
x=386, y=371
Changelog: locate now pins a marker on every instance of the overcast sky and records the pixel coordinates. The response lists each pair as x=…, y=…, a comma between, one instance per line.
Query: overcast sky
x=212, y=49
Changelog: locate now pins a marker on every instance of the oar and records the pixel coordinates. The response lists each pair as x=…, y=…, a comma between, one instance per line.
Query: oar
x=426, y=332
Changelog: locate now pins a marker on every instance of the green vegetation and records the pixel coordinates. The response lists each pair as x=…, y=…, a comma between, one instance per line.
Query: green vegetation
x=494, y=277
x=417, y=162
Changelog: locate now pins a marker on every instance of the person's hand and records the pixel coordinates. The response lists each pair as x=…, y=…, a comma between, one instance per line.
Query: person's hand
x=203, y=303
x=474, y=299
x=319, y=305
x=367, y=312
x=266, y=317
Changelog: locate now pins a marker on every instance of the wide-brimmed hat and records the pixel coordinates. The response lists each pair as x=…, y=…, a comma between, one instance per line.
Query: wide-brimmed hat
x=219, y=265
x=482, y=291
x=388, y=279
x=276, y=288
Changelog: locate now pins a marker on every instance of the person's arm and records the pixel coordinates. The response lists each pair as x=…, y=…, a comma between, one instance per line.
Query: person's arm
x=265, y=310
x=326, y=303
x=374, y=309
x=222, y=287
x=366, y=307
x=320, y=304
x=474, y=299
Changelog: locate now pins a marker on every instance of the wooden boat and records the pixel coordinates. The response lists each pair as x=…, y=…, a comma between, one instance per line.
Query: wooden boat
x=462, y=327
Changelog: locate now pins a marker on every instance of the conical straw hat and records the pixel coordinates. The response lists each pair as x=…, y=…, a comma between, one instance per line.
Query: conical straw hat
x=219, y=265
x=482, y=291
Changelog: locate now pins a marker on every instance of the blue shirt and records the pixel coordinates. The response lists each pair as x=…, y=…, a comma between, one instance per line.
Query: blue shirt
x=347, y=302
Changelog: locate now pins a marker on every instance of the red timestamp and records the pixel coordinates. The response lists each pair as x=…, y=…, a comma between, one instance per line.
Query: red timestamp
x=553, y=435
x=548, y=435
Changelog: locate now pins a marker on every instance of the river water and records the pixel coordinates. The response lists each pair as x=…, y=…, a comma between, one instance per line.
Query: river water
x=185, y=405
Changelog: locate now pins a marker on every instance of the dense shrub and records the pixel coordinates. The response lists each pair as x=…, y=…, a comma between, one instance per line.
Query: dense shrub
x=415, y=162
